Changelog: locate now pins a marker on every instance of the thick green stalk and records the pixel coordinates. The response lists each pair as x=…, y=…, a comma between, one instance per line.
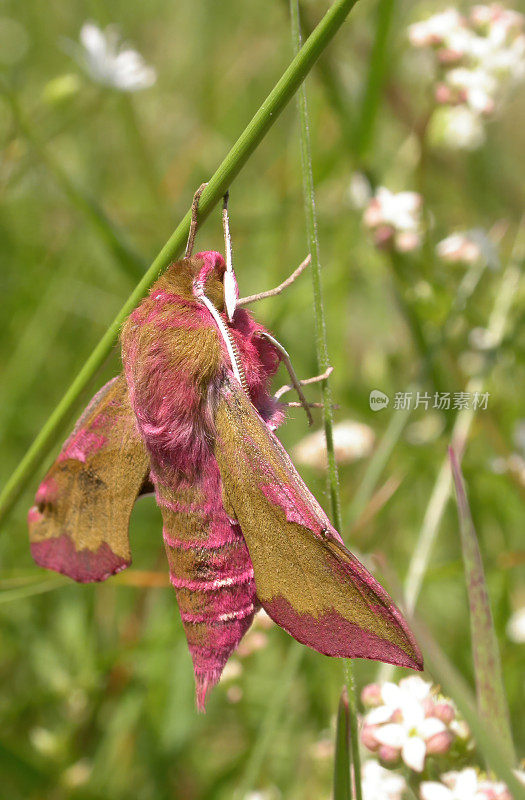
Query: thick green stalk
x=323, y=364
x=227, y=171
x=342, y=785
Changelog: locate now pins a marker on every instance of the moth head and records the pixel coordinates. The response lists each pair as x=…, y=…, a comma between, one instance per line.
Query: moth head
x=215, y=281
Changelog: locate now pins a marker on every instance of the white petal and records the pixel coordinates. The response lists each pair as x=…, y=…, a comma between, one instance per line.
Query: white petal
x=430, y=726
x=415, y=685
x=430, y=790
x=413, y=753
x=413, y=713
x=391, y=694
x=378, y=715
x=93, y=39
x=392, y=735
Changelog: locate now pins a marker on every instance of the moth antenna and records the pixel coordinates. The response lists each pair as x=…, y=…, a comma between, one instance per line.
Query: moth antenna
x=296, y=382
x=253, y=298
x=194, y=220
x=316, y=379
x=231, y=292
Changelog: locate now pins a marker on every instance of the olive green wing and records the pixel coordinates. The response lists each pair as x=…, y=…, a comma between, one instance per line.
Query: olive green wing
x=306, y=579
x=79, y=523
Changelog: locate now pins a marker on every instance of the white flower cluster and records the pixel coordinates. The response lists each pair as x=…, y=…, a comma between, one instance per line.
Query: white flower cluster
x=479, y=56
x=409, y=721
x=379, y=783
x=395, y=219
x=465, y=785
x=461, y=248
x=110, y=62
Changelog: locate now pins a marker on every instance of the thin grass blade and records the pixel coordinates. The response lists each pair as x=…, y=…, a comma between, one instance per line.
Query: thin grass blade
x=490, y=691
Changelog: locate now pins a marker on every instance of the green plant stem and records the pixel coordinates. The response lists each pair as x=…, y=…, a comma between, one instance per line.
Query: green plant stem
x=377, y=69
x=323, y=363
x=227, y=171
x=131, y=262
x=342, y=785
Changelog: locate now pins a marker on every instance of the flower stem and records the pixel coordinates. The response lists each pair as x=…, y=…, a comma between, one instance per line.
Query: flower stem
x=227, y=171
x=323, y=364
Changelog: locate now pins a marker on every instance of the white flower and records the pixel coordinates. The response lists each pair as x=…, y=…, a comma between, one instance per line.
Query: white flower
x=352, y=441
x=459, y=247
x=411, y=734
x=400, y=210
x=434, y=29
x=395, y=219
x=516, y=626
x=457, y=127
x=464, y=785
x=379, y=783
x=401, y=725
x=477, y=86
x=110, y=62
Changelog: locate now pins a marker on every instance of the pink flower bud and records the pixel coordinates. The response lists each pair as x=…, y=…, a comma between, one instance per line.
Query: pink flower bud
x=371, y=695
x=439, y=743
x=383, y=236
x=448, y=56
x=443, y=93
x=388, y=754
x=368, y=737
x=445, y=712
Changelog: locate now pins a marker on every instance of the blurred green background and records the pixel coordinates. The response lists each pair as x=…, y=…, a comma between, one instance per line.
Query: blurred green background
x=97, y=686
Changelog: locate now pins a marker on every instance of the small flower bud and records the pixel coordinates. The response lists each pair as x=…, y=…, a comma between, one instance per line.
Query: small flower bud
x=368, y=737
x=371, y=695
x=440, y=743
x=445, y=712
x=388, y=754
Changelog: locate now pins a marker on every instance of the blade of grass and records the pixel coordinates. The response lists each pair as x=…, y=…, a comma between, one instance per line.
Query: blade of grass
x=342, y=787
x=221, y=180
x=490, y=691
x=132, y=263
x=377, y=69
x=323, y=361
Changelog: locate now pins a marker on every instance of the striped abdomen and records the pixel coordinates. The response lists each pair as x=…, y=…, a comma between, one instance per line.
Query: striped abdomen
x=211, y=572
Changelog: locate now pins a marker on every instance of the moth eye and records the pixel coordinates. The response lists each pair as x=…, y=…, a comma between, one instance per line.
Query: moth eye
x=325, y=533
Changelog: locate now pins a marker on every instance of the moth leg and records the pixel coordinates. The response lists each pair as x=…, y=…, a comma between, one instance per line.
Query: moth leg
x=295, y=381
x=194, y=220
x=252, y=298
x=316, y=379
